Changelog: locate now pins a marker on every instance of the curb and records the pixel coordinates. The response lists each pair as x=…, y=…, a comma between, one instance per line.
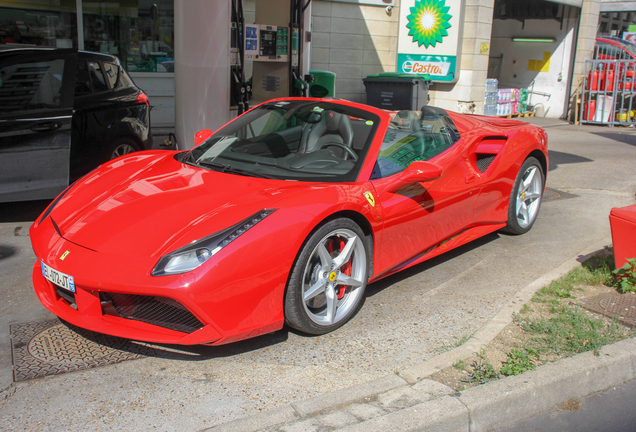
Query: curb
x=409, y=402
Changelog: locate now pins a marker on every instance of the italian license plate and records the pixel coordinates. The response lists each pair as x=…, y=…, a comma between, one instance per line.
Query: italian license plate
x=58, y=278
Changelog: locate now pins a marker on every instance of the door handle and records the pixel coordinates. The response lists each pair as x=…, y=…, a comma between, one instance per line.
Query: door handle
x=43, y=127
x=470, y=178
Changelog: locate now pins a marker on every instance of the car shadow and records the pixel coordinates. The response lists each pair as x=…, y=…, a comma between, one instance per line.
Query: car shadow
x=7, y=251
x=22, y=211
x=559, y=158
x=181, y=352
x=622, y=138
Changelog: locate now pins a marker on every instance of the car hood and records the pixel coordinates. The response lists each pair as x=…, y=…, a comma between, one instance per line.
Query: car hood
x=150, y=204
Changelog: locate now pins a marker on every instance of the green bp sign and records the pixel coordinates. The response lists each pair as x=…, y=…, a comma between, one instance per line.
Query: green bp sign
x=429, y=38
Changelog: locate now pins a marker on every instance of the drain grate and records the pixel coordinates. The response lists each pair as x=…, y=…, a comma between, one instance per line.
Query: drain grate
x=621, y=306
x=51, y=347
x=550, y=194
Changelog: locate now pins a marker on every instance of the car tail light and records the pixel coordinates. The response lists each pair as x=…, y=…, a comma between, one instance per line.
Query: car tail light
x=142, y=98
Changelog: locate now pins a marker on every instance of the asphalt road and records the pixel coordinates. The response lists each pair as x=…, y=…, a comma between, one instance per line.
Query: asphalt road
x=609, y=411
x=407, y=318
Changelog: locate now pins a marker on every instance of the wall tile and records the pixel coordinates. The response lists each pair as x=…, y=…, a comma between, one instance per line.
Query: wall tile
x=321, y=24
x=320, y=55
x=320, y=40
x=382, y=28
x=348, y=26
x=321, y=8
x=350, y=86
x=346, y=56
x=351, y=41
x=346, y=10
x=378, y=13
x=346, y=71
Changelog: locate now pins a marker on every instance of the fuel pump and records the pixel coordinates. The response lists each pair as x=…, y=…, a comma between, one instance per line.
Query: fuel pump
x=271, y=48
x=239, y=90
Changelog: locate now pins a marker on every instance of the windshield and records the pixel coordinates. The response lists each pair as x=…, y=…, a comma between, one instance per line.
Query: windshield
x=292, y=140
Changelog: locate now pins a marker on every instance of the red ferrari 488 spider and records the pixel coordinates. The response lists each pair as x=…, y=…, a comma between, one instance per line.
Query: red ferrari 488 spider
x=281, y=216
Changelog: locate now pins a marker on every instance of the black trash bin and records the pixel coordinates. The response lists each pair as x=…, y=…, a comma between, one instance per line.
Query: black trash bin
x=396, y=91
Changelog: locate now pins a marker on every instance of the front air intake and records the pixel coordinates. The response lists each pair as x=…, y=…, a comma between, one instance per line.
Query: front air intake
x=159, y=311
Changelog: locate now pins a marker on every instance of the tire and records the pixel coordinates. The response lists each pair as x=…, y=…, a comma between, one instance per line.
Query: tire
x=525, y=198
x=119, y=148
x=315, y=303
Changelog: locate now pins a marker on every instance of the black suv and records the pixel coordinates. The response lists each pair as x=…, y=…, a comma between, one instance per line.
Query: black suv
x=62, y=113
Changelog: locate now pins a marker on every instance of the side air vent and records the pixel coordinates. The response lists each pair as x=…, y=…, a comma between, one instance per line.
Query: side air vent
x=487, y=150
x=484, y=161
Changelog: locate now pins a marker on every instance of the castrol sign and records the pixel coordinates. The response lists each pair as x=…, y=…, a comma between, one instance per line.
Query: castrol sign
x=429, y=38
x=434, y=68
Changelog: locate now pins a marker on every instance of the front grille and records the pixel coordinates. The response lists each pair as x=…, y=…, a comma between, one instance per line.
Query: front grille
x=159, y=311
x=484, y=161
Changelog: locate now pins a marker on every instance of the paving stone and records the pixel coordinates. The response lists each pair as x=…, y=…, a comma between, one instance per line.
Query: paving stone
x=337, y=419
x=310, y=425
x=365, y=411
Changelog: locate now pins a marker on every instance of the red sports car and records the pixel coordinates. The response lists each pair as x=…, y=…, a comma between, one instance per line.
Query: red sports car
x=282, y=216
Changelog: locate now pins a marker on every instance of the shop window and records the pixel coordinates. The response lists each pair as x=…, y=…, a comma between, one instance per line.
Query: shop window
x=140, y=33
x=51, y=23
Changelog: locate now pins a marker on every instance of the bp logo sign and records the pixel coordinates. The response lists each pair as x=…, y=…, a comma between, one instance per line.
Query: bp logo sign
x=428, y=22
x=429, y=39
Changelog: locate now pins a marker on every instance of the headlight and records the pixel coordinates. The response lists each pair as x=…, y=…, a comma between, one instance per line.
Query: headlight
x=196, y=253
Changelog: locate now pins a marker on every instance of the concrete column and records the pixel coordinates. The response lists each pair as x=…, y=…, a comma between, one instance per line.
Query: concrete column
x=586, y=39
x=202, y=82
x=471, y=86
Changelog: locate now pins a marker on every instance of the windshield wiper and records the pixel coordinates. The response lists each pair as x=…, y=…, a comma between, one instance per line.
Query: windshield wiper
x=224, y=168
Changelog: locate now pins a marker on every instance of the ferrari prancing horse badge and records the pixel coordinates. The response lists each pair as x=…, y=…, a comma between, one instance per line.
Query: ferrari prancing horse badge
x=370, y=198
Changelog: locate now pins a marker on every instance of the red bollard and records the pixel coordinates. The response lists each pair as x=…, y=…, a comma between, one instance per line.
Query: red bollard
x=623, y=225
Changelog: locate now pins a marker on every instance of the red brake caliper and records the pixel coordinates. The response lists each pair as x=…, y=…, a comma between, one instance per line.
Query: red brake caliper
x=345, y=269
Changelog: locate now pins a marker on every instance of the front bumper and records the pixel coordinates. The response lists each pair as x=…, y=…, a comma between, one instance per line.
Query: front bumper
x=95, y=310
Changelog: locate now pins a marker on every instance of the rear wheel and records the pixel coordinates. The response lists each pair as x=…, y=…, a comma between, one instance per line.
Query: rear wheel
x=119, y=148
x=525, y=198
x=327, y=283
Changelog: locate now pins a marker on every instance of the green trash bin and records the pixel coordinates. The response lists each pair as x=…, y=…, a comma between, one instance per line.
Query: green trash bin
x=397, y=91
x=323, y=85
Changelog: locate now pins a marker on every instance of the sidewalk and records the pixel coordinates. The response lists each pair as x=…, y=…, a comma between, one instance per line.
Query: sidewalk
x=409, y=401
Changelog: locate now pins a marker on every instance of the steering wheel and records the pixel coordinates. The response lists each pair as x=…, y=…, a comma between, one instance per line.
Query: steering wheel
x=347, y=150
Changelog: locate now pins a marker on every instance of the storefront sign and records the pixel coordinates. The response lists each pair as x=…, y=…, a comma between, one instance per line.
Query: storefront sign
x=429, y=38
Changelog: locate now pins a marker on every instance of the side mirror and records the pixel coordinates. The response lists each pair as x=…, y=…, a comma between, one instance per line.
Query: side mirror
x=418, y=171
x=202, y=136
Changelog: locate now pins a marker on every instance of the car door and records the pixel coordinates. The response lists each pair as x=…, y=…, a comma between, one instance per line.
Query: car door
x=96, y=107
x=36, y=109
x=419, y=216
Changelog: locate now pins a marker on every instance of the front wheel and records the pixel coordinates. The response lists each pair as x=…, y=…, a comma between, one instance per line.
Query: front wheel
x=327, y=283
x=525, y=198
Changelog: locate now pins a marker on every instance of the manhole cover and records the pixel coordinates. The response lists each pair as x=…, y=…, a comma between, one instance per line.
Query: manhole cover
x=614, y=305
x=550, y=194
x=52, y=347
